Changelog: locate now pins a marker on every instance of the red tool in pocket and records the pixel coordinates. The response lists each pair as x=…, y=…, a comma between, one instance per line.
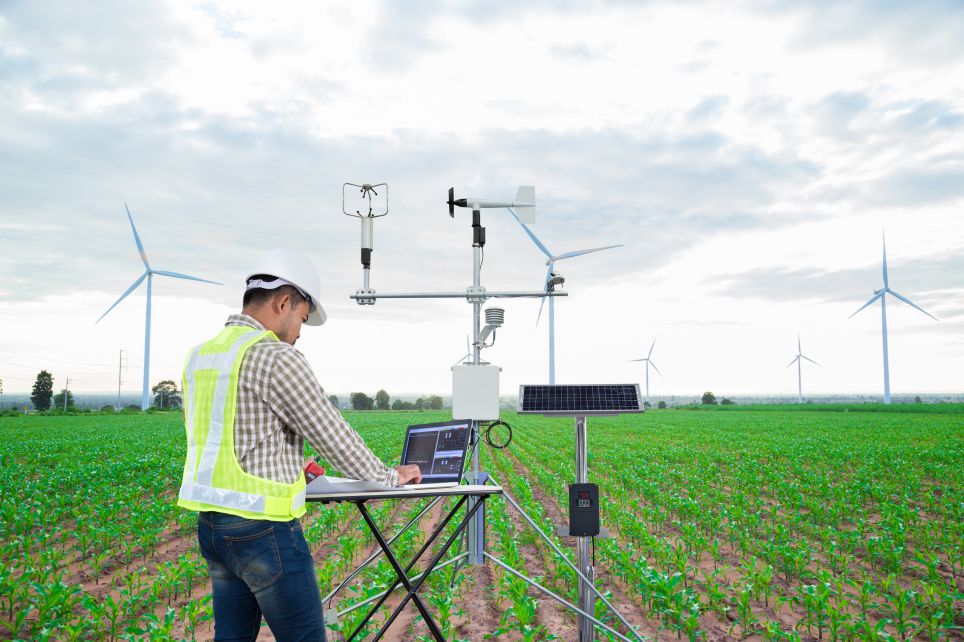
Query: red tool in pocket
x=313, y=471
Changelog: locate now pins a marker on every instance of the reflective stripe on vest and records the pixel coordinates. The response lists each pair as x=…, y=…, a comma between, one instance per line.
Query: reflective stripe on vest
x=215, y=480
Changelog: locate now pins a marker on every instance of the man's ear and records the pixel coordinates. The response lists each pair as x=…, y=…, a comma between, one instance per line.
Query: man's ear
x=281, y=304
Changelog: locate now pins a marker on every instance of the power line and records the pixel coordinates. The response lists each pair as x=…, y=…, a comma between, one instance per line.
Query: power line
x=58, y=360
x=49, y=349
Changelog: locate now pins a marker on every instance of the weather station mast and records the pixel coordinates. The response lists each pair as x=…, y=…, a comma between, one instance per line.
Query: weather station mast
x=475, y=398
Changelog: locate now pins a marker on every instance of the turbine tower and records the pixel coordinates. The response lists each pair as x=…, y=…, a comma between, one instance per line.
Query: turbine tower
x=148, y=274
x=551, y=281
x=797, y=359
x=649, y=362
x=880, y=294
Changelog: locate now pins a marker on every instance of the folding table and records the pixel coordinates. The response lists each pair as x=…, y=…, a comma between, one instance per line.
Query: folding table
x=359, y=499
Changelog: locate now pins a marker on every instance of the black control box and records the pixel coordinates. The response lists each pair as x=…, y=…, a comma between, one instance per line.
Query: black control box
x=583, y=510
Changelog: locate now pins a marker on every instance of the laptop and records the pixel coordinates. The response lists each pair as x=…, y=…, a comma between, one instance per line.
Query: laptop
x=439, y=450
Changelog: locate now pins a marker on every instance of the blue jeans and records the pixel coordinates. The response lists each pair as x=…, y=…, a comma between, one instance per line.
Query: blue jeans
x=260, y=567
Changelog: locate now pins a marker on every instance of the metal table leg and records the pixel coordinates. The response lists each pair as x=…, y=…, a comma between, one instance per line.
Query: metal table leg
x=412, y=592
x=403, y=574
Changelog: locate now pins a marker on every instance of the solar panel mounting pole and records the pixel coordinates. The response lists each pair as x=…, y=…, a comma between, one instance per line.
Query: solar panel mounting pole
x=587, y=601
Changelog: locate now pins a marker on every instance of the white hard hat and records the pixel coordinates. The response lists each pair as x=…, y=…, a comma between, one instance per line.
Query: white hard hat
x=294, y=267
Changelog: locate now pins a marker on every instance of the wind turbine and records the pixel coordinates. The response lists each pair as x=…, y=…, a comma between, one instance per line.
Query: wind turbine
x=551, y=281
x=880, y=294
x=148, y=274
x=649, y=362
x=797, y=360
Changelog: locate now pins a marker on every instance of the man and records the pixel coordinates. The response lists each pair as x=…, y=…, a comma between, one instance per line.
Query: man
x=250, y=401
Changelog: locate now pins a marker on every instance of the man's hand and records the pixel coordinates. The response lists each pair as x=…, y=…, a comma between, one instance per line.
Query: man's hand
x=410, y=474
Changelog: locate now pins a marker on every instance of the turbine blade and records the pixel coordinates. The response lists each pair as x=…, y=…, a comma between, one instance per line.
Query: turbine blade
x=791, y=363
x=123, y=296
x=137, y=238
x=884, y=239
x=655, y=368
x=184, y=276
x=912, y=304
x=545, y=287
x=643, y=359
x=799, y=350
x=872, y=299
x=650, y=353
x=532, y=236
x=811, y=361
x=569, y=255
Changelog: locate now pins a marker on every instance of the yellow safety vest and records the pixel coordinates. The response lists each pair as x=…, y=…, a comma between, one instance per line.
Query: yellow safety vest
x=213, y=479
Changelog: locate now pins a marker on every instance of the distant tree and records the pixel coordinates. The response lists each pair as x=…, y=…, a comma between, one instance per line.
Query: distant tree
x=107, y=408
x=398, y=404
x=647, y=405
x=661, y=405
x=166, y=395
x=43, y=390
x=381, y=400
x=361, y=401
x=709, y=398
x=334, y=401
x=916, y=397
x=132, y=406
x=434, y=402
x=420, y=404
x=727, y=402
x=58, y=401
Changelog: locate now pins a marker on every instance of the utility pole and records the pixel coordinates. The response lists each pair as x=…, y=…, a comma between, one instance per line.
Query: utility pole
x=121, y=366
x=66, y=387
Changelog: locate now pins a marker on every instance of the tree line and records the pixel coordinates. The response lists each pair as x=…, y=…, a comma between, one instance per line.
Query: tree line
x=166, y=396
x=382, y=401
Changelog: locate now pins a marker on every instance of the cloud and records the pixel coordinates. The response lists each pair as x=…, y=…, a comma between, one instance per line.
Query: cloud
x=708, y=108
x=919, y=186
x=836, y=112
x=577, y=51
x=931, y=283
x=894, y=26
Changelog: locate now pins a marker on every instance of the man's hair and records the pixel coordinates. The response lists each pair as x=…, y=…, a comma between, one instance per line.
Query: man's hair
x=257, y=297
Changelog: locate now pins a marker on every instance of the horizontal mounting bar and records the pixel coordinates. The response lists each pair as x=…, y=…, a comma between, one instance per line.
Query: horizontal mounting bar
x=459, y=295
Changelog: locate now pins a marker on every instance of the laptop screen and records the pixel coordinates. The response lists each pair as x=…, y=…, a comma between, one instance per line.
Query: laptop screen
x=437, y=449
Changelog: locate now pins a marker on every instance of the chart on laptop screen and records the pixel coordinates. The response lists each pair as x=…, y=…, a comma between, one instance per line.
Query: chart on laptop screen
x=437, y=450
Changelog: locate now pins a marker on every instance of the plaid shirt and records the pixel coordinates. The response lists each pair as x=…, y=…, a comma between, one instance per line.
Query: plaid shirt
x=280, y=404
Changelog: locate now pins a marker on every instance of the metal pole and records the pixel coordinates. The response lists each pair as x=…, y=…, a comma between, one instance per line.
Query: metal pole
x=586, y=598
x=147, y=346
x=552, y=342
x=476, y=527
x=120, y=359
x=66, y=388
x=799, y=380
x=883, y=332
x=581, y=613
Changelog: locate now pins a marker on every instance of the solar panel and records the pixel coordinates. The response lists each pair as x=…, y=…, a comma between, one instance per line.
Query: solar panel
x=580, y=400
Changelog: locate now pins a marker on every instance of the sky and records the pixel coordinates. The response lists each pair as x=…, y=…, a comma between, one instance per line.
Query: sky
x=748, y=157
